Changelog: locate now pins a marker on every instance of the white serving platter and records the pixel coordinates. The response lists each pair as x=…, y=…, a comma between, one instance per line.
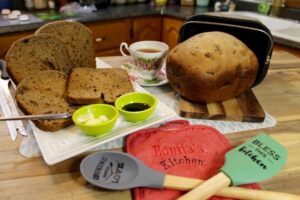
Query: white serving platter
x=69, y=142
x=66, y=143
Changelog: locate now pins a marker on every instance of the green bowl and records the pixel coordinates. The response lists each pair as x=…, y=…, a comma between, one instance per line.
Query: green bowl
x=136, y=98
x=95, y=119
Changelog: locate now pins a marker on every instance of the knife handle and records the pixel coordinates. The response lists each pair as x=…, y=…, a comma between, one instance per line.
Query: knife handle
x=4, y=74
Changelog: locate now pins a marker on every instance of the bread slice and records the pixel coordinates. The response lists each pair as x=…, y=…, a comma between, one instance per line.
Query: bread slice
x=78, y=39
x=45, y=93
x=88, y=86
x=36, y=53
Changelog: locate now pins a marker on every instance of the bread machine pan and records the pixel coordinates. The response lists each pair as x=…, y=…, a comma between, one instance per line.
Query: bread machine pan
x=249, y=30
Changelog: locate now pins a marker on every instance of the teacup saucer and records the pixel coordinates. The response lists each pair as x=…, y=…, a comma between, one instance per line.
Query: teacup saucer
x=136, y=76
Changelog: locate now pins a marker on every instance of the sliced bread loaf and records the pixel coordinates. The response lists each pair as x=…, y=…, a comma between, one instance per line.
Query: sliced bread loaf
x=36, y=53
x=44, y=93
x=78, y=39
x=87, y=86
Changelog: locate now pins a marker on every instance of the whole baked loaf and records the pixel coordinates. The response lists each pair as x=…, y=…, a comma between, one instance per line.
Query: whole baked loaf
x=77, y=38
x=211, y=67
x=35, y=53
x=88, y=86
x=45, y=93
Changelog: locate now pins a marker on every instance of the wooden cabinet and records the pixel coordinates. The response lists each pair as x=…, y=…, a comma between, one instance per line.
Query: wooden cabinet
x=292, y=4
x=8, y=39
x=109, y=35
x=170, y=31
x=146, y=28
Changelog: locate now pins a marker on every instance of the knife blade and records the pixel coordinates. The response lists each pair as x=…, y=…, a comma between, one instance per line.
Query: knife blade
x=11, y=125
x=8, y=105
x=38, y=117
x=5, y=109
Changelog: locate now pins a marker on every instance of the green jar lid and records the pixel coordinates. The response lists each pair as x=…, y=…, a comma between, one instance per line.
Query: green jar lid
x=263, y=7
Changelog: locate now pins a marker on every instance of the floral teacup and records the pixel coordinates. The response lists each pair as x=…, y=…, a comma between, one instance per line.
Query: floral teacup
x=148, y=56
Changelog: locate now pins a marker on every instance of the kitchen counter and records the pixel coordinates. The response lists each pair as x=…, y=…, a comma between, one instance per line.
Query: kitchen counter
x=111, y=13
x=120, y=12
x=31, y=179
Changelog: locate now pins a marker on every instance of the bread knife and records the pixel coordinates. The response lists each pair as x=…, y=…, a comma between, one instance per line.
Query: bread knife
x=38, y=117
x=8, y=105
x=5, y=109
x=11, y=125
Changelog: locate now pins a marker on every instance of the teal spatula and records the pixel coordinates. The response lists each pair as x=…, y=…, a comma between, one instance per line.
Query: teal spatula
x=257, y=159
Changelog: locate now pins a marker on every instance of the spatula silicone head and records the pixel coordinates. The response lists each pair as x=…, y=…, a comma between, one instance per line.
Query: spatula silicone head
x=256, y=160
x=117, y=171
x=259, y=158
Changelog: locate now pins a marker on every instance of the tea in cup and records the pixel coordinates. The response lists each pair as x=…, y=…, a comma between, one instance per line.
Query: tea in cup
x=148, y=56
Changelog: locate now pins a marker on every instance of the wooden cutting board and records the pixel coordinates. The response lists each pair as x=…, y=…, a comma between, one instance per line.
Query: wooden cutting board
x=245, y=108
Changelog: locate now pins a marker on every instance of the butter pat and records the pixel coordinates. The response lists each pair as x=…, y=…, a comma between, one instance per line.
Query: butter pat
x=90, y=119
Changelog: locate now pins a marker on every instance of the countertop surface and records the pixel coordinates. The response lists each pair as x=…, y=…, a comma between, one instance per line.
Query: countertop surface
x=109, y=13
x=115, y=12
x=32, y=179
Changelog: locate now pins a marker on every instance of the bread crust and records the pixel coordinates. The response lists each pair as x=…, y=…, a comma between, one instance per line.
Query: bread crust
x=211, y=67
x=88, y=86
x=46, y=59
x=77, y=38
x=44, y=93
x=32, y=54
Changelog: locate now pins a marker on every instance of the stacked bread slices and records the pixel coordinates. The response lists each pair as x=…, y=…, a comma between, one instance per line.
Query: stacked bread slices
x=44, y=93
x=78, y=39
x=41, y=66
x=36, y=53
x=88, y=86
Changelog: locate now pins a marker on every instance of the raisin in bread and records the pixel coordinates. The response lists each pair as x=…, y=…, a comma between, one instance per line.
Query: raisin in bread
x=78, y=39
x=211, y=67
x=44, y=93
x=36, y=53
x=87, y=86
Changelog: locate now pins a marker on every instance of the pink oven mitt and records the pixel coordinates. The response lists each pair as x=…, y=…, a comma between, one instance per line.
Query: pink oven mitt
x=177, y=148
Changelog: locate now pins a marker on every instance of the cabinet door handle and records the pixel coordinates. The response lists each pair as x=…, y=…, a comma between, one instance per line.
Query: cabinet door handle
x=99, y=39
